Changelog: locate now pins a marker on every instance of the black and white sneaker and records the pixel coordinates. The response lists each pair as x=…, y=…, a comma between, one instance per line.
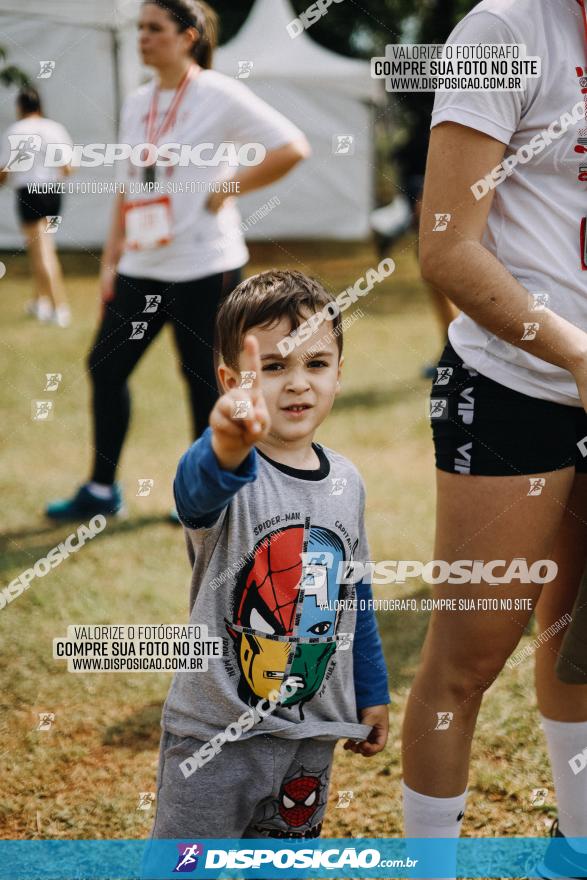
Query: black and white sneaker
x=561, y=860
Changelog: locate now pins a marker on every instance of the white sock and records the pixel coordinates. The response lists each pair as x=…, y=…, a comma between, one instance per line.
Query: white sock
x=567, y=739
x=100, y=490
x=426, y=816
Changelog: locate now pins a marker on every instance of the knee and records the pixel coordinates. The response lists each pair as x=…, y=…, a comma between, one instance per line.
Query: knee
x=467, y=677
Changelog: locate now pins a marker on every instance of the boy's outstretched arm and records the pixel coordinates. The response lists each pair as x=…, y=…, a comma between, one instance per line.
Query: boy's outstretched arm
x=370, y=675
x=217, y=465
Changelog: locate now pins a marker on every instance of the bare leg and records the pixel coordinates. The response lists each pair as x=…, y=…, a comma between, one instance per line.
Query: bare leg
x=477, y=518
x=45, y=264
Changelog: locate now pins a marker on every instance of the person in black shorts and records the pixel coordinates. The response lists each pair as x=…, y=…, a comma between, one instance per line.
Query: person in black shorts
x=502, y=235
x=38, y=200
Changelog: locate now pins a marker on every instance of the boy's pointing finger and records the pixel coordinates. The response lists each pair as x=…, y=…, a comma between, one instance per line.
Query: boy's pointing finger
x=251, y=359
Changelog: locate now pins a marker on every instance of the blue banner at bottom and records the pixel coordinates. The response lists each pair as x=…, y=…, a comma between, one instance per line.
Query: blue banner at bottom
x=268, y=858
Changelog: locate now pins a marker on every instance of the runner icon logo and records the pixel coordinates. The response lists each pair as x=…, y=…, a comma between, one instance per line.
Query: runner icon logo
x=188, y=857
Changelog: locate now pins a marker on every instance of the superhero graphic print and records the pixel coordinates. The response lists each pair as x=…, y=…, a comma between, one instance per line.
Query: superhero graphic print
x=284, y=627
x=299, y=809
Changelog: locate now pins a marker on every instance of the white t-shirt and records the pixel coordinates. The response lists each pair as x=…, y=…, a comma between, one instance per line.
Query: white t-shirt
x=215, y=109
x=31, y=135
x=534, y=223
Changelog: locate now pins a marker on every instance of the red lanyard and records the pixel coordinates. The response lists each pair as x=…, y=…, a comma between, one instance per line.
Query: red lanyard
x=170, y=116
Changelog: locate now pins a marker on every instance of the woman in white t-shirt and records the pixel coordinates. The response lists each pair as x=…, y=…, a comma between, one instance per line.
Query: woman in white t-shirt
x=38, y=200
x=508, y=403
x=175, y=246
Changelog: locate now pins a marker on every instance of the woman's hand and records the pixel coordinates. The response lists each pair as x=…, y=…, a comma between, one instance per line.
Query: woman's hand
x=377, y=717
x=216, y=201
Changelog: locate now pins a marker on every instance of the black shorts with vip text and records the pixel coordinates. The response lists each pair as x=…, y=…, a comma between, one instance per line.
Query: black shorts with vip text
x=481, y=427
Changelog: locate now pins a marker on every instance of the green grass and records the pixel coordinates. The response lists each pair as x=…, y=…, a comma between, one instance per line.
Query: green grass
x=82, y=778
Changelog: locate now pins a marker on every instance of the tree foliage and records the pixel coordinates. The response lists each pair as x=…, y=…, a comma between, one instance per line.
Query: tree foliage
x=361, y=28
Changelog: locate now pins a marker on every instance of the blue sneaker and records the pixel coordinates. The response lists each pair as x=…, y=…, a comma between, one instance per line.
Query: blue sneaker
x=85, y=504
x=560, y=859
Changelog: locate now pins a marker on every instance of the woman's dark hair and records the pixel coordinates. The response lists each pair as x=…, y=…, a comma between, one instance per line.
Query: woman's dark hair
x=28, y=101
x=196, y=14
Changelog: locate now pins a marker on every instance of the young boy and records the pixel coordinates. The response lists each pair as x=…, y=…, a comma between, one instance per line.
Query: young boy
x=272, y=522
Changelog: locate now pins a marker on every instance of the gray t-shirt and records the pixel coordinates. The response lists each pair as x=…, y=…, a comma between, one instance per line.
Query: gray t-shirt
x=277, y=622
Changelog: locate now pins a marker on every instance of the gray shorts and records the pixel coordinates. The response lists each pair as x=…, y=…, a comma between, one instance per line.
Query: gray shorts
x=263, y=786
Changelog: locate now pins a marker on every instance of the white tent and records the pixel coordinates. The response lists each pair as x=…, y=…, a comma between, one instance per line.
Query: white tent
x=93, y=45
x=329, y=97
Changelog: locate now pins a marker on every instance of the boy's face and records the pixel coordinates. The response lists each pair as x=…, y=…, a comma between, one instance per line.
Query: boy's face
x=299, y=389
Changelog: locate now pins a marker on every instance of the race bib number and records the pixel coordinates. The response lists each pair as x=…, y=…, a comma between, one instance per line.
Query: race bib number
x=147, y=223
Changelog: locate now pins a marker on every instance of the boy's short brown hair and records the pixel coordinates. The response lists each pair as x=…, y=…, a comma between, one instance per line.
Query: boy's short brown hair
x=262, y=300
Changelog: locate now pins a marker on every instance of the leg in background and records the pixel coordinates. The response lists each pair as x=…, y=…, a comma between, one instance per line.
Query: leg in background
x=192, y=308
x=116, y=351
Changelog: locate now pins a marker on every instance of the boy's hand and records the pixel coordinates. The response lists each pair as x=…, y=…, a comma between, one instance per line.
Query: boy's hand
x=378, y=718
x=240, y=417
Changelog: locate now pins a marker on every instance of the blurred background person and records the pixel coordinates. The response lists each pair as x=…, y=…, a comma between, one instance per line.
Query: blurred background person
x=24, y=147
x=181, y=273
